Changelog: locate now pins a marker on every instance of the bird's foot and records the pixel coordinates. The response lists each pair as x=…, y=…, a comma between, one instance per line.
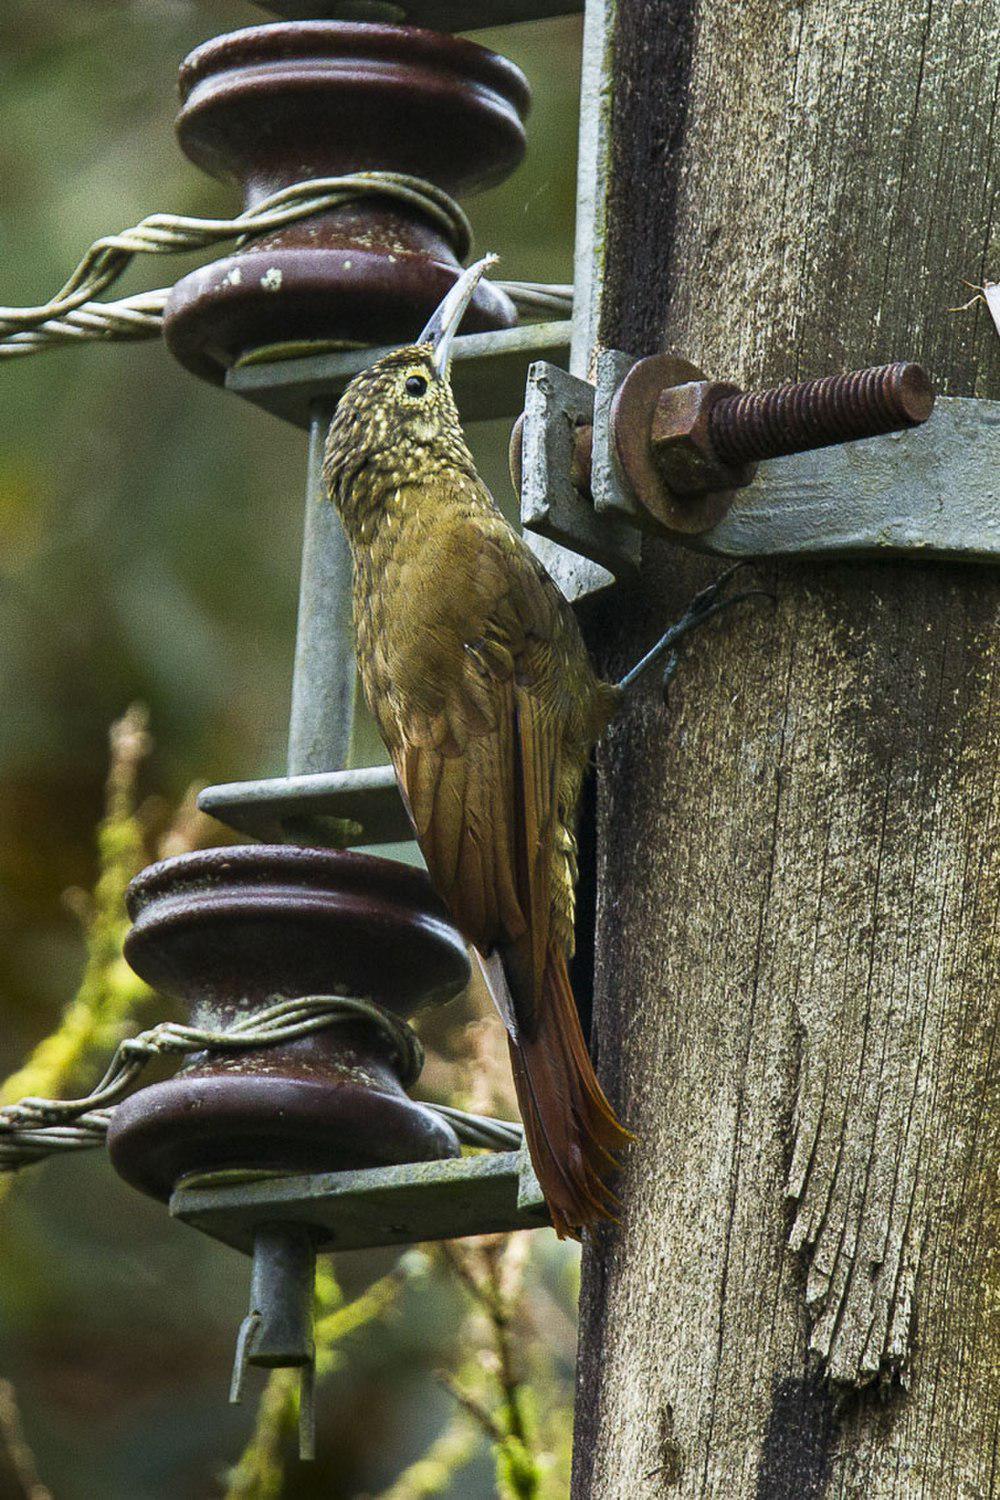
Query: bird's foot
x=701, y=609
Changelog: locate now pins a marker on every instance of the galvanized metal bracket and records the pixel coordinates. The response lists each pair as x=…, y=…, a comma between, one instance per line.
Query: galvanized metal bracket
x=557, y=405
x=438, y=15
x=932, y=492
x=327, y=809
x=404, y=1205
x=487, y=373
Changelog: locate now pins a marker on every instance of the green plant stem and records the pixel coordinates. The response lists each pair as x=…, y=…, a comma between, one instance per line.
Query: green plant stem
x=109, y=992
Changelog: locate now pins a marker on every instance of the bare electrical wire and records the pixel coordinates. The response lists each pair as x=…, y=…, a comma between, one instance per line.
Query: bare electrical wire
x=35, y=1128
x=74, y=314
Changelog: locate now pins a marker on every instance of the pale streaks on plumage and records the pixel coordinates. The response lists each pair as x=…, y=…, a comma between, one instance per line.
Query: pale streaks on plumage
x=474, y=668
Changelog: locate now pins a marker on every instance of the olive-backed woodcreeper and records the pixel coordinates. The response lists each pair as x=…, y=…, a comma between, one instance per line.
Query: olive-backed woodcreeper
x=476, y=673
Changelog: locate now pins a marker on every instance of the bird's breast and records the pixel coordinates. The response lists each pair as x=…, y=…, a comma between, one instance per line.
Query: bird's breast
x=401, y=621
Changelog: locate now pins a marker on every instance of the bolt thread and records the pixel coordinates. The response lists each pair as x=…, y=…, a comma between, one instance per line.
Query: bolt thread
x=815, y=413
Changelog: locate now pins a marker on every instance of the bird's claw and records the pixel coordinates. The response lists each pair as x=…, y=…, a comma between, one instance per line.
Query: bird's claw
x=701, y=609
x=673, y=661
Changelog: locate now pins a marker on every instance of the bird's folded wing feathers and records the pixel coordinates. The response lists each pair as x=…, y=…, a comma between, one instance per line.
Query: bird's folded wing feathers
x=480, y=778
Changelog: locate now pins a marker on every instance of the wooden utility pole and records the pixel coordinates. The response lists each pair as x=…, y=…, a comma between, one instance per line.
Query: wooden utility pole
x=798, y=973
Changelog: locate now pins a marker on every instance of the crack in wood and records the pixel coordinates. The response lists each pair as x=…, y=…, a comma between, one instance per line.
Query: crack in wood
x=798, y=1013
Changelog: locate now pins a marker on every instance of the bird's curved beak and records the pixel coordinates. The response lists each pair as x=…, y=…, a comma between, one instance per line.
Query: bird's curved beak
x=444, y=324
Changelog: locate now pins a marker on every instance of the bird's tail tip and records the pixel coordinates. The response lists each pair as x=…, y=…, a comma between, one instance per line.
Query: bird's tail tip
x=574, y=1136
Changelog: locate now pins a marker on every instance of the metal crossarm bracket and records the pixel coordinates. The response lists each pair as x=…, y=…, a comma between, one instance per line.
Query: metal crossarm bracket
x=933, y=491
x=326, y=809
x=437, y=15
x=487, y=373
x=557, y=408
x=404, y=1205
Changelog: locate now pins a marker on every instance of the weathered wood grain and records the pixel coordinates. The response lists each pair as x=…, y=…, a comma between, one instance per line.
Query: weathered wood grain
x=798, y=988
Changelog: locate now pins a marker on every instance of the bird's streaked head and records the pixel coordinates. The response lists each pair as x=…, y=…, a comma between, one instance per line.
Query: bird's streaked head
x=397, y=420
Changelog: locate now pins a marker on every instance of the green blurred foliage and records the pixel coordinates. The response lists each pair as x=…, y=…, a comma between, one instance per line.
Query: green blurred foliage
x=150, y=528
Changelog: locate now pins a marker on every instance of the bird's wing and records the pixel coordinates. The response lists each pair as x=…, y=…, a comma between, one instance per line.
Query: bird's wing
x=477, y=755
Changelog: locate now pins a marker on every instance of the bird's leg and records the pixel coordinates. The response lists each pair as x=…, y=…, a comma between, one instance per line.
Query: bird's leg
x=702, y=607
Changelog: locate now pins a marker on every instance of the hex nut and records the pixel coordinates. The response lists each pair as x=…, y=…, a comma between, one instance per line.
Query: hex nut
x=680, y=442
x=658, y=505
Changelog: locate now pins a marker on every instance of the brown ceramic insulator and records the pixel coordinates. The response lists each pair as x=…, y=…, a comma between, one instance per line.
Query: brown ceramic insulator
x=278, y=104
x=226, y=931
x=810, y=414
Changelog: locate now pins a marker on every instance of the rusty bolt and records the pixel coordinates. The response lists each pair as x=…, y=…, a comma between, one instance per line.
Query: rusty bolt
x=707, y=435
x=685, y=443
x=817, y=413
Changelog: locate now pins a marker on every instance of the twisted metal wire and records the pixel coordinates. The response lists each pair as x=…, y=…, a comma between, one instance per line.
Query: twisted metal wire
x=34, y=1128
x=485, y=1131
x=539, y=296
x=73, y=314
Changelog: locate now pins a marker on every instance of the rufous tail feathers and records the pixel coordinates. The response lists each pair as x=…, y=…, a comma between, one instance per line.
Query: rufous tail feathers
x=573, y=1134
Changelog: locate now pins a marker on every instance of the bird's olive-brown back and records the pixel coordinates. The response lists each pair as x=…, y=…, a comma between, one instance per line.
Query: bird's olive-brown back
x=475, y=670
x=464, y=643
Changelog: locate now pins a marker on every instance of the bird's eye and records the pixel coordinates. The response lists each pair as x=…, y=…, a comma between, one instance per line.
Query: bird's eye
x=416, y=385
